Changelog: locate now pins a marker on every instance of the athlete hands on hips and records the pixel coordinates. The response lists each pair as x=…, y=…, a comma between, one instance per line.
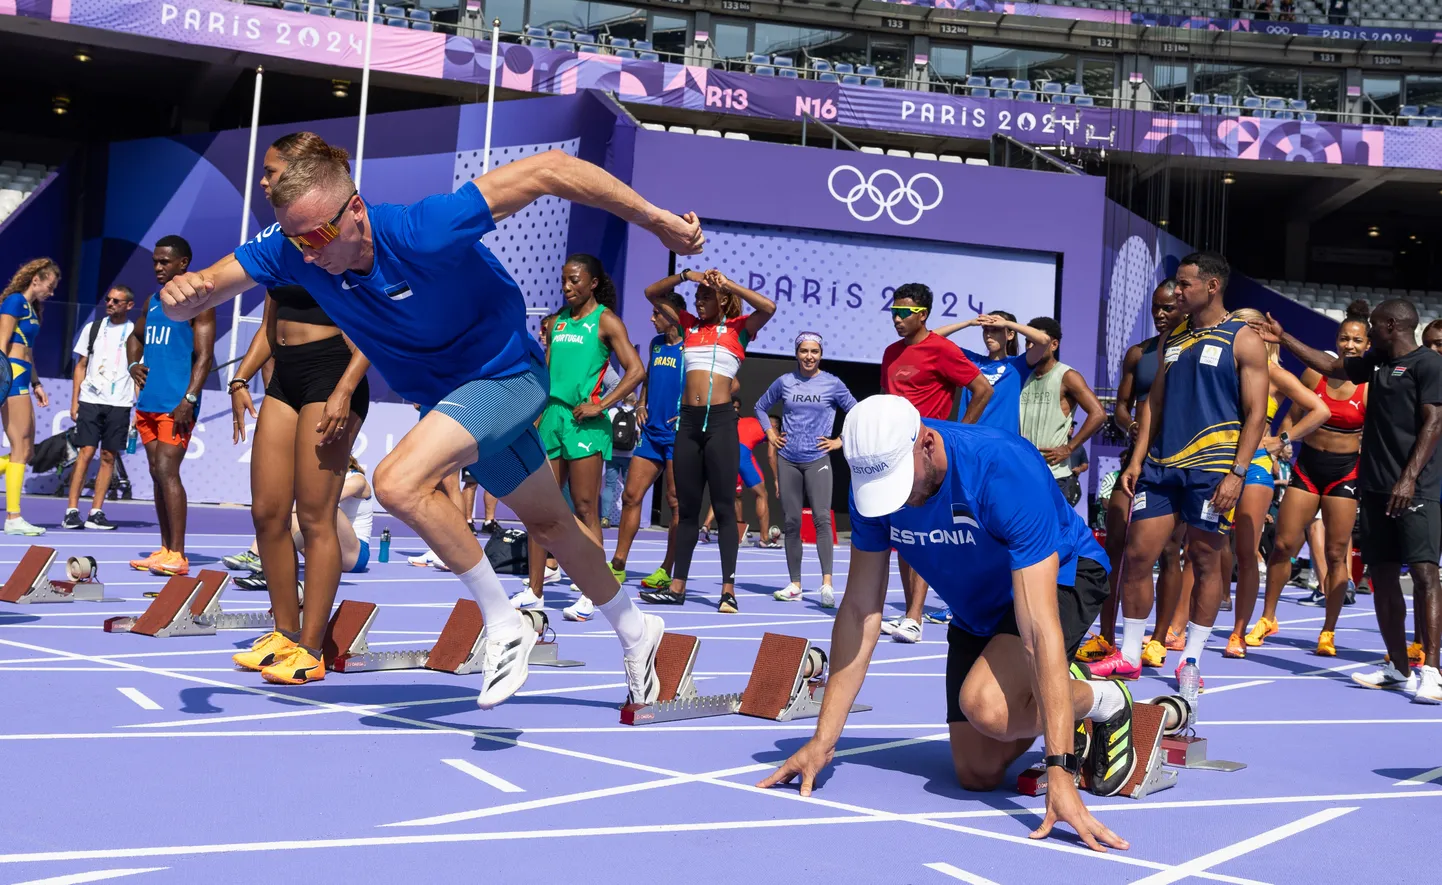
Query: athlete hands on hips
x=976, y=513
x=445, y=324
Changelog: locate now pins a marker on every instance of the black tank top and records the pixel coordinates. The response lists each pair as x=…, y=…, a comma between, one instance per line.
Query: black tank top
x=295, y=304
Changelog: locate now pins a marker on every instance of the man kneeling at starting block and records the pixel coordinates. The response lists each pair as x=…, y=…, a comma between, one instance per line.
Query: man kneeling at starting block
x=976, y=513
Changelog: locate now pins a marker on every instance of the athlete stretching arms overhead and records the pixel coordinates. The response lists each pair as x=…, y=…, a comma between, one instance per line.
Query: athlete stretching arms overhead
x=444, y=322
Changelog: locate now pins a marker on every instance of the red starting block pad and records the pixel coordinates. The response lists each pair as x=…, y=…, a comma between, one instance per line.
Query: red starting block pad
x=29, y=583
x=190, y=607
x=458, y=650
x=788, y=681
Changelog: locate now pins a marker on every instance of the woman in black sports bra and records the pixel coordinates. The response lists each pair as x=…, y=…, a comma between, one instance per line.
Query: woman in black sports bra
x=314, y=404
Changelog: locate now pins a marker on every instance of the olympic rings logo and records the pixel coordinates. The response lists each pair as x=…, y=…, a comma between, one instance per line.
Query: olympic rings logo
x=867, y=192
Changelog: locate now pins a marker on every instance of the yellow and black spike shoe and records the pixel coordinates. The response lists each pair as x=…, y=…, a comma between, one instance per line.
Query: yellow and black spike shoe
x=1113, y=750
x=263, y=652
x=297, y=667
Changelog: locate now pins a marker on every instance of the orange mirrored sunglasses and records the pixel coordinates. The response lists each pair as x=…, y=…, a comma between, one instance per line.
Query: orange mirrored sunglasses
x=322, y=236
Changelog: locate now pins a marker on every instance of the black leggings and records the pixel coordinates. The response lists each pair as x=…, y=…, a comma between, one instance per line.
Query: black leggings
x=709, y=457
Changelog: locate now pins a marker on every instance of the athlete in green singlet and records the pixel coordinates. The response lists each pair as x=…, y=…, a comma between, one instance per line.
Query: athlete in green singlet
x=574, y=427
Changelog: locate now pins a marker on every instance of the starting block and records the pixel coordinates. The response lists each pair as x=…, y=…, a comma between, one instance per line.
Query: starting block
x=190, y=607
x=1181, y=748
x=1150, y=776
x=458, y=650
x=788, y=681
x=29, y=583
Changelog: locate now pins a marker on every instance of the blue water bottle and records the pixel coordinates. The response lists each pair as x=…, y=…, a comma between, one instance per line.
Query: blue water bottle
x=131, y=439
x=385, y=545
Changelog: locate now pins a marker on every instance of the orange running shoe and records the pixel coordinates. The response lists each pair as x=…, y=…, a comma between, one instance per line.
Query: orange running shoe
x=1264, y=627
x=297, y=667
x=1235, y=648
x=144, y=564
x=1154, y=654
x=263, y=652
x=173, y=564
x=1094, y=649
x=1327, y=644
x=1415, y=655
x=1175, y=641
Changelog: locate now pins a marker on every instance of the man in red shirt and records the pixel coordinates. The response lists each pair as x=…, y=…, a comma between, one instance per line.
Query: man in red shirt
x=925, y=369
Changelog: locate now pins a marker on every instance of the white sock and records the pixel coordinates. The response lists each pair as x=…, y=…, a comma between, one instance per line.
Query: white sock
x=1197, y=637
x=1134, y=630
x=626, y=619
x=1107, y=701
x=496, y=608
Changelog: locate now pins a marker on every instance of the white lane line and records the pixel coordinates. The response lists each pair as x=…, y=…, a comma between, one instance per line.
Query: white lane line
x=94, y=876
x=1235, y=685
x=483, y=776
x=1425, y=777
x=1199, y=865
x=959, y=874
x=140, y=699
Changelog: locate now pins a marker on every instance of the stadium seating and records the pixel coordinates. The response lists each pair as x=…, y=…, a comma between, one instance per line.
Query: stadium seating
x=1331, y=299
x=18, y=180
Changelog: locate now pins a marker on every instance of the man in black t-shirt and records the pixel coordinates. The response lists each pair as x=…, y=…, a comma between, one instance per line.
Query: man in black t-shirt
x=1400, y=515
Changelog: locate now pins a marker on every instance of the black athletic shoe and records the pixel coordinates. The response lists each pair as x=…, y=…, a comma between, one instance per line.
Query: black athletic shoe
x=728, y=604
x=470, y=524
x=1226, y=605
x=1113, y=750
x=1351, y=597
x=1317, y=599
x=662, y=597
x=490, y=527
x=253, y=582
x=98, y=522
x=72, y=520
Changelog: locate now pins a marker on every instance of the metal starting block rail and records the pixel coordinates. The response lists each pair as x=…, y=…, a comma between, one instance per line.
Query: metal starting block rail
x=30, y=582
x=458, y=650
x=788, y=681
x=190, y=606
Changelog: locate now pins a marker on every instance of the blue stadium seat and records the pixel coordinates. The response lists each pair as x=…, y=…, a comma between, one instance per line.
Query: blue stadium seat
x=758, y=58
x=1207, y=110
x=1084, y=101
x=866, y=70
x=583, y=39
x=562, y=45
x=1298, y=104
x=999, y=83
x=782, y=61
x=558, y=34
x=1308, y=116
x=421, y=21
x=1051, y=88
x=319, y=10
x=1275, y=104
x=620, y=43
x=1026, y=96
x=1021, y=85
x=875, y=81
x=1253, y=104
x=650, y=56
x=1418, y=121
x=643, y=46
x=1061, y=98
x=975, y=81
x=788, y=73
x=978, y=92
x=339, y=5
x=844, y=68
x=1432, y=111
x=828, y=77
x=1074, y=89
x=396, y=16
x=820, y=65
x=850, y=80
x=765, y=71
x=625, y=53
x=1284, y=115
x=290, y=6
x=1002, y=93
x=537, y=37
x=349, y=15
x=1223, y=101
x=1198, y=99
x=1407, y=110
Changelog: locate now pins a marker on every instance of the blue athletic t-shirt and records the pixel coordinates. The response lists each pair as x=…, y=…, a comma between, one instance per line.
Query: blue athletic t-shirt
x=169, y=357
x=998, y=510
x=437, y=309
x=1007, y=377
x=27, y=321
x=664, y=377
x=808, y=411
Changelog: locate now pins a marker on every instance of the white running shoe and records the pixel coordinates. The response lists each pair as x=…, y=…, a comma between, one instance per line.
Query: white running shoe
x=641, y=679
x=505, y=661
x=1389, y=677
x=551, y=575
x=907, y=631
x=425, y=560
x=16, y=525
x=828, y=596
x=524, y=599
x=889, y=625
x=791, y=593
x=1429, y=686
x=582, y=609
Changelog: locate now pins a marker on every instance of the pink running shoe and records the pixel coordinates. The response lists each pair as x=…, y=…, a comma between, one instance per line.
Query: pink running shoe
x=1114, y=666
x=1201, y=683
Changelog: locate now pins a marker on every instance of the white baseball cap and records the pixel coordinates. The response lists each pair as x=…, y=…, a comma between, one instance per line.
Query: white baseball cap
x=877, y=439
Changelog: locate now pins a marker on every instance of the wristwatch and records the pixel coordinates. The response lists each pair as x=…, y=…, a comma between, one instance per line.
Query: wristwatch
x=1240, y=470
x=1068, y=762
x=192, y=399
x=1285, y=438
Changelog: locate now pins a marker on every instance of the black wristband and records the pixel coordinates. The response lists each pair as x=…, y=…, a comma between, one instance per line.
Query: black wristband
x=1067, y=761
x=235, y=381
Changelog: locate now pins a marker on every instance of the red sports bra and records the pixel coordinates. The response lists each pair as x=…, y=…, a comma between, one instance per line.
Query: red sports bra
x=1347, y=414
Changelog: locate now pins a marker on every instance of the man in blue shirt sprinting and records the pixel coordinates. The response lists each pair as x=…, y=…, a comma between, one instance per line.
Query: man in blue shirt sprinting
x=442, y=320
x=976, y=513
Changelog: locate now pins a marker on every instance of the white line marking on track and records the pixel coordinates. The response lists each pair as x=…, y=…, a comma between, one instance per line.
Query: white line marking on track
x=140, y=699
x=1199, y=865
x=947, y=869
x=94, y=876
x=1425, y=777
x=483, y=776
x=1235, y=685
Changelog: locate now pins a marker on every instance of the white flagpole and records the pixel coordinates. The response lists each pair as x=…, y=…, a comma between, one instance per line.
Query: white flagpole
x=235, y=317
x=360, y=141
x=490, y=93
